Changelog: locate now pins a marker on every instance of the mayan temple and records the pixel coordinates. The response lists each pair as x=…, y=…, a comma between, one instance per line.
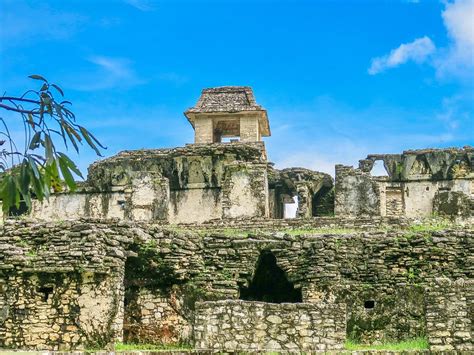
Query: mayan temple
x=195, y=246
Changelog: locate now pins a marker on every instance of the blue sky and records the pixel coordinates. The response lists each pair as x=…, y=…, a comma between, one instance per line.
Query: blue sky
x=340, y=79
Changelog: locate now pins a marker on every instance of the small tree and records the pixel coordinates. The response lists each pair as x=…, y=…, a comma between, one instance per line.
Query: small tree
x=38, y=168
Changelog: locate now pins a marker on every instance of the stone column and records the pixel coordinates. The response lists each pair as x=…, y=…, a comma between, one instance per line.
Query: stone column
x=203, y=130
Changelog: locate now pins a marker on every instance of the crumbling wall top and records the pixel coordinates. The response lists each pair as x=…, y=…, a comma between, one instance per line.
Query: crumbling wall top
x=425, y=164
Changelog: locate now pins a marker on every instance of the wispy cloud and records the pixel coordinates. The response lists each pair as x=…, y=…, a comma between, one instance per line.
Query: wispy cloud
x=457, y=60
x=107, y=72
x=142, y=5
x=418, y=51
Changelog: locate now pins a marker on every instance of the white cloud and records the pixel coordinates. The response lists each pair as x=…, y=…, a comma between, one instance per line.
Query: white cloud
x=457, y=60
x=418, y=51
x=142, y=5
x=108, y=72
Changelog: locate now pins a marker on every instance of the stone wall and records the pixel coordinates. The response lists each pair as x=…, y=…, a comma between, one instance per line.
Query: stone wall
x=258, y=326
x=61, y=285
x=415, y=184
x=154, y=313
x=450, y=315
x=196, y=183
x=356, y=193
x=390, y=269
x=60, y=311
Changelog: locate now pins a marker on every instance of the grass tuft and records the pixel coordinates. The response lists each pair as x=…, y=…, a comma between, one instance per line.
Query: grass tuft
x=320, y=231
x=153, y=347
x=413, y=344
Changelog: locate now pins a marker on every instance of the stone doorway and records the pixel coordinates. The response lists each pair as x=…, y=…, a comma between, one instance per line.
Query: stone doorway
x=270, y=283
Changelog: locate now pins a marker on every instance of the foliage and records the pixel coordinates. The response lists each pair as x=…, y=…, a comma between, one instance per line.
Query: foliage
x=413, y=344
x=38, y=167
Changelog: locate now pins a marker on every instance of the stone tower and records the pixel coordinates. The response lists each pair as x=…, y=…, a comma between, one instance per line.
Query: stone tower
x=228, y=112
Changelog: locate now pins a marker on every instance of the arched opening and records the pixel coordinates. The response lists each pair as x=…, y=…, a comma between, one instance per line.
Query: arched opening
x=323, y=202
x=270, y=283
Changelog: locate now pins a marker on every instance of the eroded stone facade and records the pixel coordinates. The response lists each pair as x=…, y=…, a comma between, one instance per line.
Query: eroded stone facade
x=147, y=279
x=191, y=245
x=418, y=184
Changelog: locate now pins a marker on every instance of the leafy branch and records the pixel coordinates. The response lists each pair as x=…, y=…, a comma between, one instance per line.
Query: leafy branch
x=39, y=168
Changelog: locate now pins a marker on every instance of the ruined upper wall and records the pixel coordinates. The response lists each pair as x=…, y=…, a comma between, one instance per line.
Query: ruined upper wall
x=182, y=166
x=425, y=164
x=195, y=183
x=419, y=183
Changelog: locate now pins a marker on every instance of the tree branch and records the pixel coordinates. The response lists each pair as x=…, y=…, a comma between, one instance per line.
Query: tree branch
x=11, y=98
x=9, y=108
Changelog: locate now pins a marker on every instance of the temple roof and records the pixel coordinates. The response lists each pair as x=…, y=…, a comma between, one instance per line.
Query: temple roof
x=228, y=99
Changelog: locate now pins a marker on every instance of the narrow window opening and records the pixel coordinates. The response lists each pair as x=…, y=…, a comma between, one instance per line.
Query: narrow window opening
x=46, y=292
x=379, y=169
x=270, y=283
x=230, y=139
x=291, y=208
x=369, y=304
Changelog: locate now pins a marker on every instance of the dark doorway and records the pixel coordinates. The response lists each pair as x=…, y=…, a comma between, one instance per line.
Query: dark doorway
x=323, y=202
x=21, y=210
x=270, y=283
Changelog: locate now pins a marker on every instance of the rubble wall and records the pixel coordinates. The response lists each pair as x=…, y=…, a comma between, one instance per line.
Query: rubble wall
x=60, y=311
x=414, y=180
x=449, y=315
x=392, y=269
x=258, y=326
x=61, y=286
x=196, y=183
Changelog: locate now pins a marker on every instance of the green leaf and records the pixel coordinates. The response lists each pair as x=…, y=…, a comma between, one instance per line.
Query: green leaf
x=27, y=199
x=39, y=188
x=71, y=136
x=63, y=166
x=89, y=141
x=5, y=194
x=31, y=121
x=71, y=164
x=97, y=141
x=44, y=87
x=34, y=168
x=37, y=77
x=24, y=179
x=48, y=148
x=35, y=141
x=58, y=88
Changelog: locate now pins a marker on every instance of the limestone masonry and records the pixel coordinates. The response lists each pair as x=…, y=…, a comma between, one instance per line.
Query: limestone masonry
x=195, y=245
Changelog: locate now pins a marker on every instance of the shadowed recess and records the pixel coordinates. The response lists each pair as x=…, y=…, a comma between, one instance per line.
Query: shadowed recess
x=270, y=283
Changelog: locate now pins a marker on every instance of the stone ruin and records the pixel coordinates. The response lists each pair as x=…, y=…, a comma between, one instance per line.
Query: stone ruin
x=193, y=245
